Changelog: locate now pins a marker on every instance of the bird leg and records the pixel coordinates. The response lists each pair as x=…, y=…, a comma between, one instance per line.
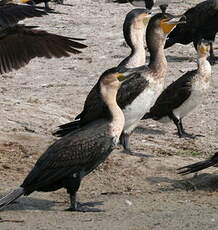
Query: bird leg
x=77, y=207
x=178, y=123
x=47, y=8
x=73, y=203
x=124, y=141
x=72, y=185
x=184, y=133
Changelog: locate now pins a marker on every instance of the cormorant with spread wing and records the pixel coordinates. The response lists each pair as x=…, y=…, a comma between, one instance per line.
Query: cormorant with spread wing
x=19, y=43
x=184, y=94
x=69, y=159
x=202, y=22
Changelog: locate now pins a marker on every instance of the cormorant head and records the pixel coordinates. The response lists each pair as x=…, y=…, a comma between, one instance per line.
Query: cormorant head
x=203, y=48
x=136, y=20
x=115, y=76
x=165, y=22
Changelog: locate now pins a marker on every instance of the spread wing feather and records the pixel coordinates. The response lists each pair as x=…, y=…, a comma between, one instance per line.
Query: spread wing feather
x=11, y=14
x=20, y=44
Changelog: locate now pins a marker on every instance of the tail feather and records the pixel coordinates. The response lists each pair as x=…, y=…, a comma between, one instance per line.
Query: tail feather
x=67, y=128
x=199, y=165
x=10, y=197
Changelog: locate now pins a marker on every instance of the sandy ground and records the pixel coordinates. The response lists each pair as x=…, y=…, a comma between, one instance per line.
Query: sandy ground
x=133, y=192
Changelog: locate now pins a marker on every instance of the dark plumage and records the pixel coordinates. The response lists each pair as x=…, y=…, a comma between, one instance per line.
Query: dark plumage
x=11, y=14
x=135, y=18
x=202, y=22
x=213, y=161
x=69, y=159
x=183, y=95
x=19, y=43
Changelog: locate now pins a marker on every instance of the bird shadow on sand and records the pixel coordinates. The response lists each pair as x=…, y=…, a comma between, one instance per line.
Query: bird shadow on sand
x=29, y=203
x=136, y=154
x=148, y=131
x=204, y=182
x=178, y=59
x=66, y=4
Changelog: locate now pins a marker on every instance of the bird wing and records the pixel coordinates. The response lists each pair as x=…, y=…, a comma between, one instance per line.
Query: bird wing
x=130, y=89
x=78, y=151
x=20, y=44
x=11, y=14
x=173, y=96
x=94, y=106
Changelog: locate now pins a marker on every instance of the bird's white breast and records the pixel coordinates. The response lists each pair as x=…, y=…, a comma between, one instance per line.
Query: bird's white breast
x=198, y=93
x=142, y=104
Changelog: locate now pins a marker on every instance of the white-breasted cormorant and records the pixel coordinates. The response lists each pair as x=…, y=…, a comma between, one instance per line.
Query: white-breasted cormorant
x=69, y=159
x=193, y=168
x=184, y=94
x=134, y=27
x=137, y=95
x=202, y=22
x=19, y=43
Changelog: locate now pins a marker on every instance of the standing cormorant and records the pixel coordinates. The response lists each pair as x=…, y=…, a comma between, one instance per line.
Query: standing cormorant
x=184, y=94
x=137, y=95
x=69, y=159
x=193, y=168
x=202, y=22
x=134, y=27
x=19, y=43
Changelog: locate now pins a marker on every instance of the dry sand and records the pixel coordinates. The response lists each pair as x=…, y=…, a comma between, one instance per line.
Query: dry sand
x=134, y=192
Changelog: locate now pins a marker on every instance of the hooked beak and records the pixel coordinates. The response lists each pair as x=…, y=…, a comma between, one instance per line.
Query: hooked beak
x=178, y=19
x=170, y=23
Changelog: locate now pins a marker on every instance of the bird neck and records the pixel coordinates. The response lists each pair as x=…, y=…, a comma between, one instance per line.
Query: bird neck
x=204, y=66
x=136, y=43
x=116, y=116
x=155, y=43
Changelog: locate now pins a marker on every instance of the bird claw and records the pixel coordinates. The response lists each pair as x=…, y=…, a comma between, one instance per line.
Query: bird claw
x=187, y=135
